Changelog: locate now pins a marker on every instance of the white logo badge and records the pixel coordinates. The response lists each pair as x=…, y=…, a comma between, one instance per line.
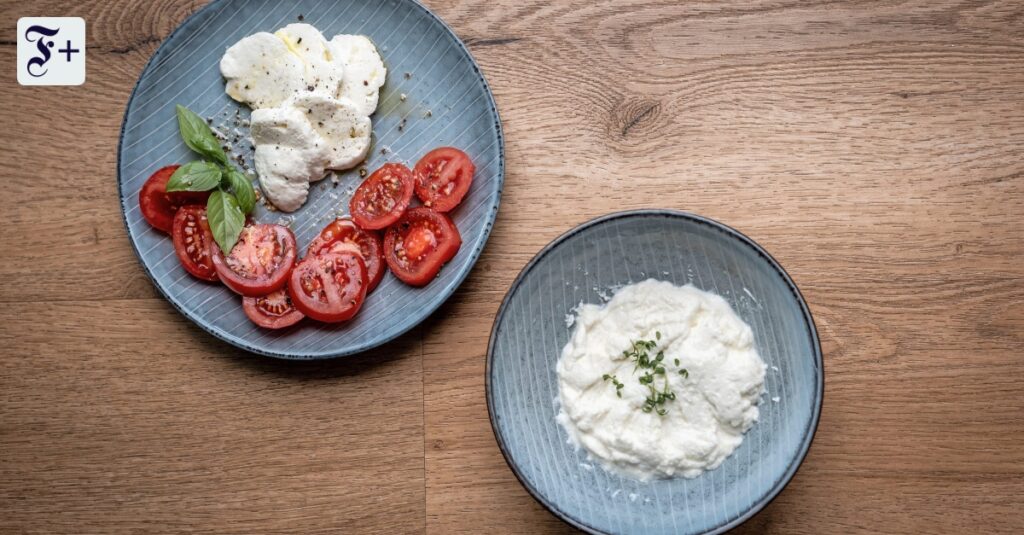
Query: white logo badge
x=51, y=51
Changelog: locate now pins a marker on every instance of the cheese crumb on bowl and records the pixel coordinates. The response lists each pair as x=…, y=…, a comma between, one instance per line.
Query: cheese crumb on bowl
x=660, y=381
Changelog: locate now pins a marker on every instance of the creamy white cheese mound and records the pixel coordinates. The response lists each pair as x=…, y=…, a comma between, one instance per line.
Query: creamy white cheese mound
x=715, y=398
x=311, y=99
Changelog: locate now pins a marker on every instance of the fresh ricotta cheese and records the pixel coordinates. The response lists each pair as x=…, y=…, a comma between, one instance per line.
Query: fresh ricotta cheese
x=717, y=382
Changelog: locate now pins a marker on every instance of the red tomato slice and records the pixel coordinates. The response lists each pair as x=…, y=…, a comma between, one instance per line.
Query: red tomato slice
x=272, y=311
x=382, y=198
x=259, y=263
x=191, y=237
x=343, y=235
x=443, y=177
x=158, y=206
x=329, y=287
x=418, y=245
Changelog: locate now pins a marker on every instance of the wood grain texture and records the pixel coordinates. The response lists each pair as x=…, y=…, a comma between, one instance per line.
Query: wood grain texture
x=872, y=147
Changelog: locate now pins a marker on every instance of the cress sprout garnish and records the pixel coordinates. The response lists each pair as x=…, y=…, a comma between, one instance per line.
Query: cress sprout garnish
x=615, y=381
x=640, y=354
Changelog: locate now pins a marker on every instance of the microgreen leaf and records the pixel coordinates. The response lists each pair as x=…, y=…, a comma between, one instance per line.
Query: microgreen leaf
x=652, y=367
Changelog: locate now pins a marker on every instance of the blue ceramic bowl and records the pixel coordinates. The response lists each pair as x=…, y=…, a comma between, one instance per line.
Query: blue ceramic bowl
x=581, y=266
x=447, y=103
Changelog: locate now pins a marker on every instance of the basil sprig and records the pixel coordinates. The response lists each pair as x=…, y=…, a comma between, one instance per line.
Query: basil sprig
x=198, y=136
x=242, y=187
x=233, y=194
x=225, y=217
x=195, y=176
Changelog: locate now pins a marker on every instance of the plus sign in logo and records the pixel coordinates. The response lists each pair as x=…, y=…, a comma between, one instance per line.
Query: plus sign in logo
x=51, y=51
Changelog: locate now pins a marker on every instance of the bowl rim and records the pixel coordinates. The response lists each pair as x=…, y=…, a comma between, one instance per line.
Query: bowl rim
x=428, y=310
x=729, y=231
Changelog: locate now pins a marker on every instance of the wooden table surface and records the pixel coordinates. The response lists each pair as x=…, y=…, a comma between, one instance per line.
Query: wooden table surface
x=874, y=148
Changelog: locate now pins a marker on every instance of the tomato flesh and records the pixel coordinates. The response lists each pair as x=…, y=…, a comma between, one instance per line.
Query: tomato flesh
x=418, y=245
x=158, y=206
x=419, y=242
x=343, y=235
x=272, y=311
x=443, y=177
x=329, y=287
x=260, y=261
x=383, y=197
x=191, y=237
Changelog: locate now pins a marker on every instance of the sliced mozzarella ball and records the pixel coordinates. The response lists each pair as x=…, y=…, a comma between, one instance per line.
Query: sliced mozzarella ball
x=289, y=155
x=341, y=126
x=364, y=70
x=311, y=99
x=323, y=72
x=283, y=125
x=261, y=71
x=277, y=166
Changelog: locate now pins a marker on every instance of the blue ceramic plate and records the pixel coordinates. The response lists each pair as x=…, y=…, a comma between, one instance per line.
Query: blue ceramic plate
x=582, y=266
x=447, y=103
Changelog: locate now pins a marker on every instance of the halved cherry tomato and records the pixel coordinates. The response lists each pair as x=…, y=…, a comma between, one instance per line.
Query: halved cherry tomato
x=382, y=198
x=443, y=177
x=418, y=245
x=329, y=287
x=191, y=238
x=158, y=206
x=272, y=311
x=259, y=263
x=343, y=235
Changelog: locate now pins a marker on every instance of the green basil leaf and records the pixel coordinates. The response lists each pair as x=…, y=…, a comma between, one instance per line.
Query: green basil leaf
x=225, y=218
x=195, y=176
x=198, y=136
x=242, y=187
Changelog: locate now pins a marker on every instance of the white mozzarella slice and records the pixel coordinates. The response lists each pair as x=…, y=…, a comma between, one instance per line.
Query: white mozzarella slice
x=338, y=122
x=261, y=71
x=283, y=125
x=323, y=72
x=311, y=99
x=364, y=70
x=289, y=155
x=275, y=165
